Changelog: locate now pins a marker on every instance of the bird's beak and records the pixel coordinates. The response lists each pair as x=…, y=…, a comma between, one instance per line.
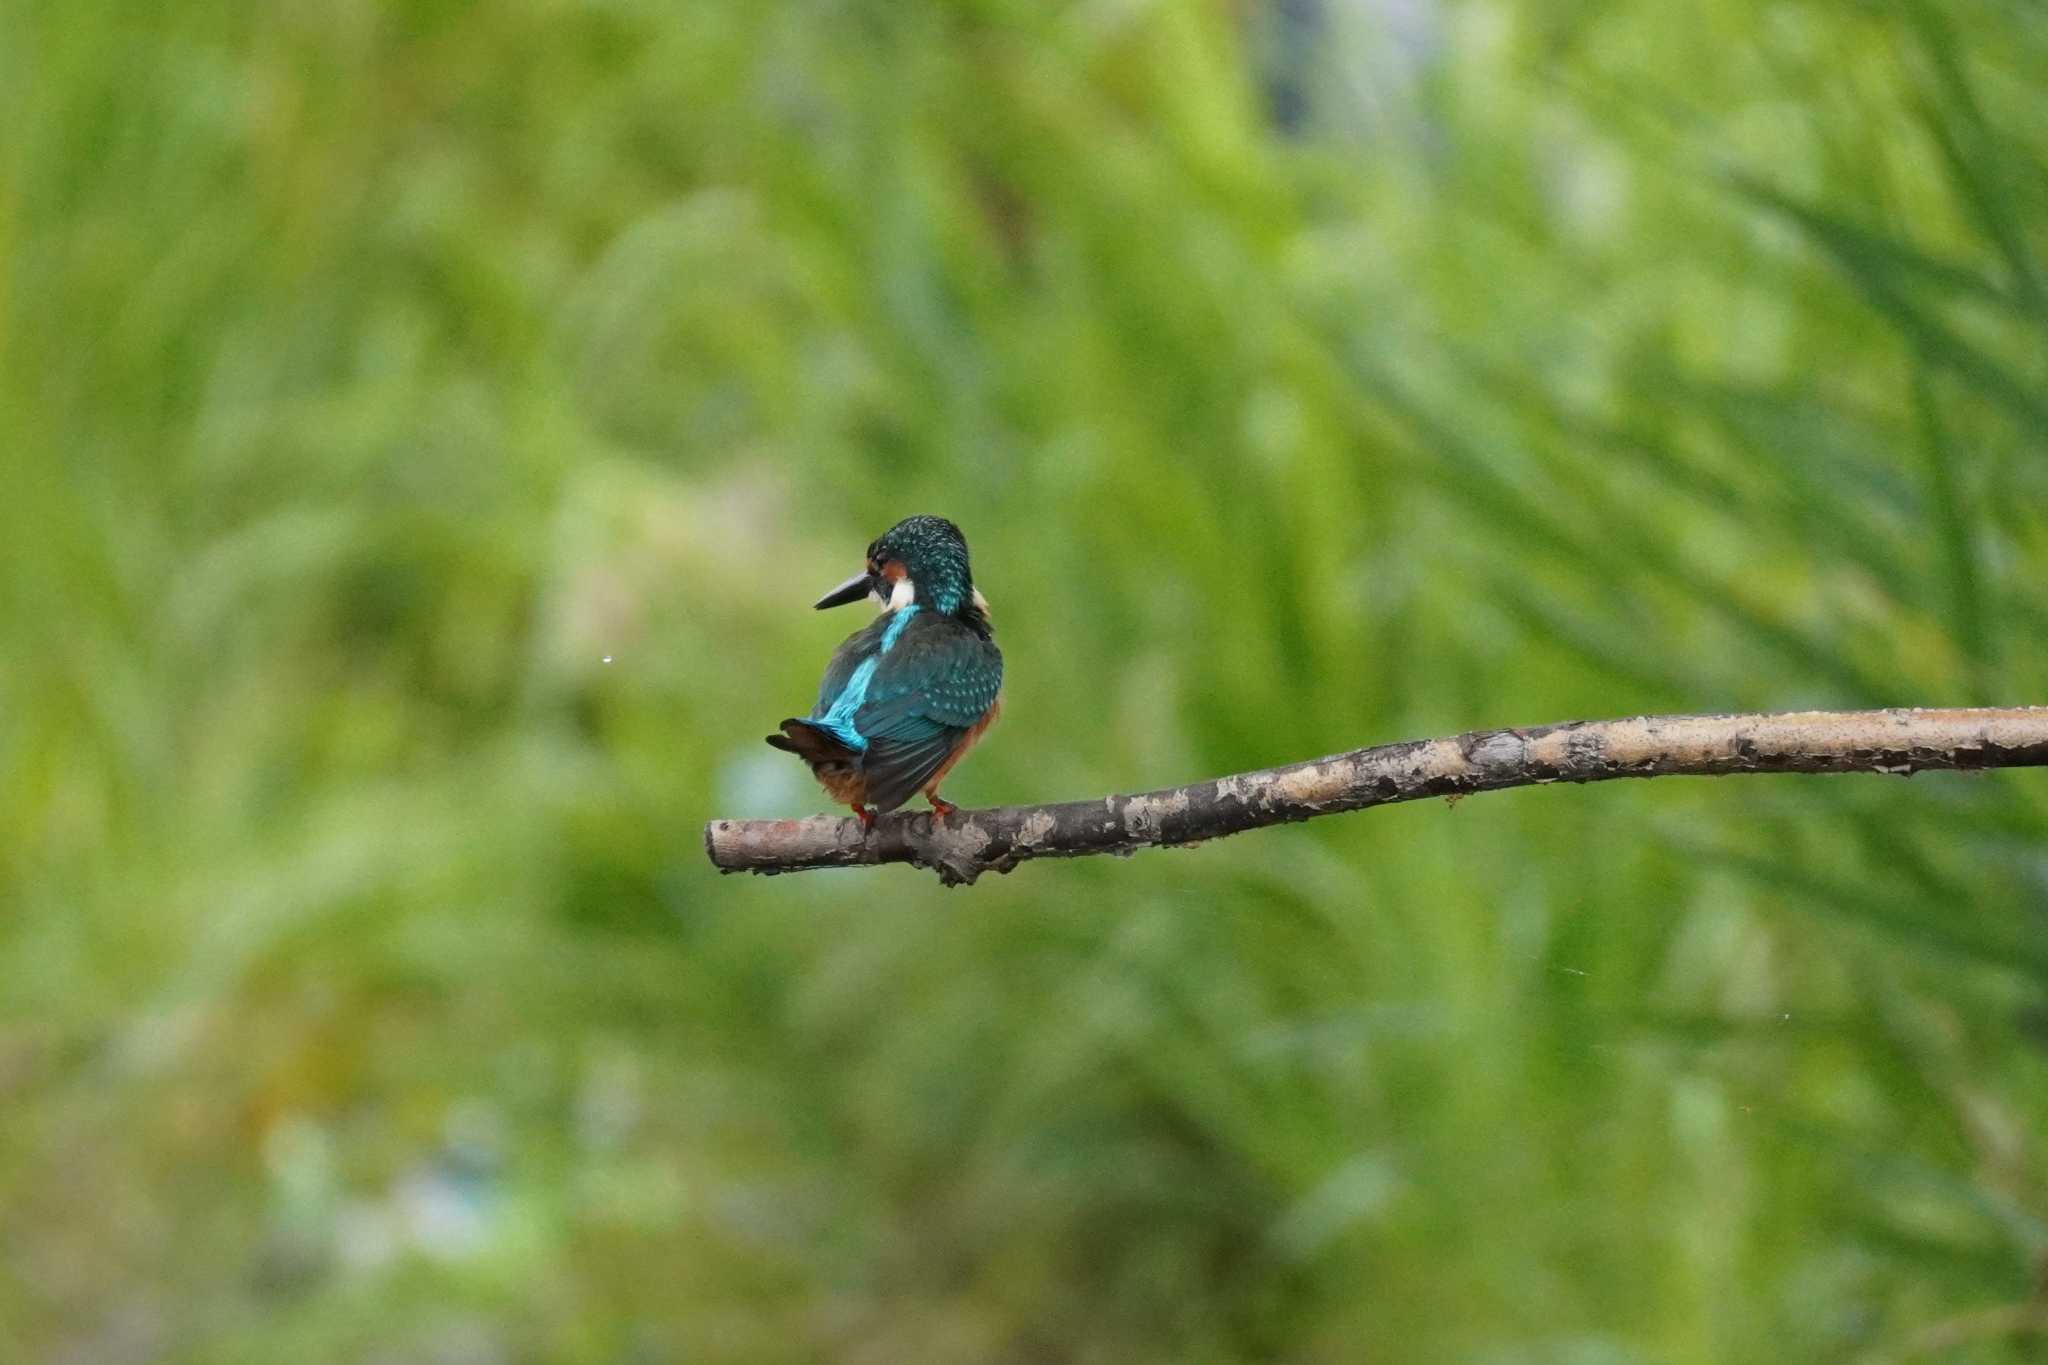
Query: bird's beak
x=852, y=590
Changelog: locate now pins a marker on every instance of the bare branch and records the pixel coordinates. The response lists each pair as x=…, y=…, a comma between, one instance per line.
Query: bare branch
x=1900, y=742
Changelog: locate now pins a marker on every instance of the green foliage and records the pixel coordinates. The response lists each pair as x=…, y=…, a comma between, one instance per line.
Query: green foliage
x=424, y=426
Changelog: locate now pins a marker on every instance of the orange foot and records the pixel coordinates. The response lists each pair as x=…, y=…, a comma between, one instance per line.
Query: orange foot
x=867, y=818
x=942, y=810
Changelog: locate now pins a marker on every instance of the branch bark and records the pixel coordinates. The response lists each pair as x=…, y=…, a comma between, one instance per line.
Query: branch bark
x=1899, y=742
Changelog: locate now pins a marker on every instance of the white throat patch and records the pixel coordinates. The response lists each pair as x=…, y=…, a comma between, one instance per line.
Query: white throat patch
x=902, y=595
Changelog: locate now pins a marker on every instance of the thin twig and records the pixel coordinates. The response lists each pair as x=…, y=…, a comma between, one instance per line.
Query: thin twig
x=969, y=843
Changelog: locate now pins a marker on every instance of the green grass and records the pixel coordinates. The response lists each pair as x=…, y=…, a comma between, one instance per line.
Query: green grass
x=369, y=374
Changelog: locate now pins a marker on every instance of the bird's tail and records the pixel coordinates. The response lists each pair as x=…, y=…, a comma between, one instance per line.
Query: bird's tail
x=813, y=743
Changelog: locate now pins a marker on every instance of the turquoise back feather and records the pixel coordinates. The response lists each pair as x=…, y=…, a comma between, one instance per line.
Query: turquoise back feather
x=903, y=692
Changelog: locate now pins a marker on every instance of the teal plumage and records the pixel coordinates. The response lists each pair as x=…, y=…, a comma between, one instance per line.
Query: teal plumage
x=905, y=696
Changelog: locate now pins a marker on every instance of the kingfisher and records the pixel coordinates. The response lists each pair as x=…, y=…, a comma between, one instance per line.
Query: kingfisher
x=909, y=693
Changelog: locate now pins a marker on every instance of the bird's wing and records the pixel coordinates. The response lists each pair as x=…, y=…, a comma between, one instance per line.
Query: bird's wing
x=940, y=674
x=894, y=770
x=852, y=652
x=927, y=691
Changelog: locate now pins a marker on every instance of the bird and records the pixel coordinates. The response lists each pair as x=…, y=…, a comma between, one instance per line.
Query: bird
x=907, y=695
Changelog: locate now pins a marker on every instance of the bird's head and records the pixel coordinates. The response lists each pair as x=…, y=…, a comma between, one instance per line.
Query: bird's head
x=919, y=559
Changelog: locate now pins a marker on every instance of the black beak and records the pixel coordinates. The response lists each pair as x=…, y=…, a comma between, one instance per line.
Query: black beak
x=852, y=590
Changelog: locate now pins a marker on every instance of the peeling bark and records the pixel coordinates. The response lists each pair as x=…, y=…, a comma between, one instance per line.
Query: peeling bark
x=1899, y=742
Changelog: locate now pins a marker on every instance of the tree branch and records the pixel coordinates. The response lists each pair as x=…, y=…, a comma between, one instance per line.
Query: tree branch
x=1900, y=742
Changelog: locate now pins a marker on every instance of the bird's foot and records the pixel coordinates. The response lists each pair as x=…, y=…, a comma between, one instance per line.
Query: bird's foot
x=942, y=810
x=867, y=819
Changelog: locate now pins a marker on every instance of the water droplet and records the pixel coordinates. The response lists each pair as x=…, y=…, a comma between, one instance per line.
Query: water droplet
x=607, y=658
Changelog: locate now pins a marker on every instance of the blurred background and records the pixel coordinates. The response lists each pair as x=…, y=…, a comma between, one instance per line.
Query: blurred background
x=424, y=427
